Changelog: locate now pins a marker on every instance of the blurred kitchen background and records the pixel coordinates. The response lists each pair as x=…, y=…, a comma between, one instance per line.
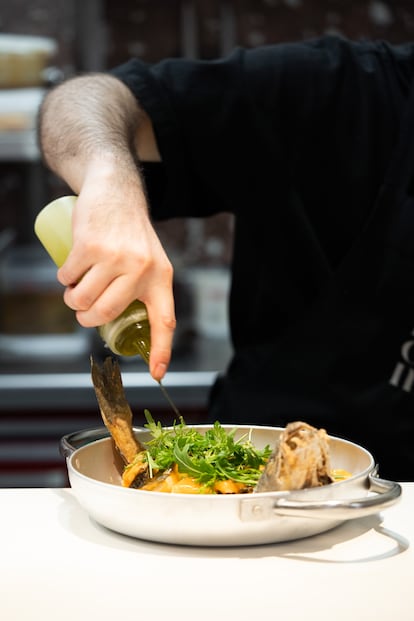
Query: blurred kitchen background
x=45, y=388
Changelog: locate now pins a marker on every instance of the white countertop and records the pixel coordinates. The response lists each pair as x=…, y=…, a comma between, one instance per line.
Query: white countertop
x=57, y=564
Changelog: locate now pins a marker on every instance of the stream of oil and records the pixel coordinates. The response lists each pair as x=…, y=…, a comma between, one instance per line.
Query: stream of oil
x=170, y=401
x=142, y=346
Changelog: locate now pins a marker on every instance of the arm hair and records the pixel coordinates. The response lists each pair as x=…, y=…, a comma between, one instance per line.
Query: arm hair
x=85, y=117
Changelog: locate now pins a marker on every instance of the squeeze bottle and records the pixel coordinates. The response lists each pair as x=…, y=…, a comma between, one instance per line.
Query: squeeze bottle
x=128, y=334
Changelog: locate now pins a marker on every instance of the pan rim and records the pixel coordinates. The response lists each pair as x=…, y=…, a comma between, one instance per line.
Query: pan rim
x=111, y=486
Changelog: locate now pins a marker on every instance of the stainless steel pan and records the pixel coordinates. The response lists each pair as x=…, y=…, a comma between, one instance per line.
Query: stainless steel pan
x=220, y=520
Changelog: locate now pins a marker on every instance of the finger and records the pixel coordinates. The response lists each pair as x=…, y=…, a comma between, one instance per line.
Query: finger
x=162, y=320
x=74, y=268
x=87, y=291
x=109, y=304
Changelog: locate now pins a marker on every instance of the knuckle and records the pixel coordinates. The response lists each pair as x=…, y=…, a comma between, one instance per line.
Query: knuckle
x=80, y=300
x=169, y=322
x=168, y=272
x=66, y=277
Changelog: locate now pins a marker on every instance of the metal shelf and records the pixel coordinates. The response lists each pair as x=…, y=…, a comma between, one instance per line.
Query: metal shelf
x=67, y=385
x=19, y=146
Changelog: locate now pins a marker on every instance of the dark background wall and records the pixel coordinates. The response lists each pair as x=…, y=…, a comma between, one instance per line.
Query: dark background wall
x=98, y=34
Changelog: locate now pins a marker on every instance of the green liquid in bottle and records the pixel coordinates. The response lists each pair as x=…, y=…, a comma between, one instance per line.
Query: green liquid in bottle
x=129, y=334
x=128, y=344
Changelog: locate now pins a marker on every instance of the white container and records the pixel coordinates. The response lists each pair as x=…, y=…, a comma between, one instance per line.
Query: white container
x=23, y=59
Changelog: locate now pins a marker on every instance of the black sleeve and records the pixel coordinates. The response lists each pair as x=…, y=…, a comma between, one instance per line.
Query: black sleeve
x=199, y=114
x=323, y=111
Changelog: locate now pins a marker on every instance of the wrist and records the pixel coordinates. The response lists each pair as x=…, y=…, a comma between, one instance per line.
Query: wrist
x=105, y=169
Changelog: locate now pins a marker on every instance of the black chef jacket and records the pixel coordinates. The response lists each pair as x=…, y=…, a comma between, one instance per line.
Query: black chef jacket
x=311, y=147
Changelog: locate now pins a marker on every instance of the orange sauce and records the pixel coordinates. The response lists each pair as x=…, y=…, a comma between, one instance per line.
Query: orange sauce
x=340, y=475
x=177, y=482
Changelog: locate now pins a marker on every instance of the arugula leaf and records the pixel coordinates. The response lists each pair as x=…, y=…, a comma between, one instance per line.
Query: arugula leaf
x=208, y=457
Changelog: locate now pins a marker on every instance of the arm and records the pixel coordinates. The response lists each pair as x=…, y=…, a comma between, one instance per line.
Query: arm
x=91, y=133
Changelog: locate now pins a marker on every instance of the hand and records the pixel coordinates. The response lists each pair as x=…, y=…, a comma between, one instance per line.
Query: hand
x=117, y=257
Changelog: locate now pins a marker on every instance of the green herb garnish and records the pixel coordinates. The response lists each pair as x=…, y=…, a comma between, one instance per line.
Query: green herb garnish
x=210, y=457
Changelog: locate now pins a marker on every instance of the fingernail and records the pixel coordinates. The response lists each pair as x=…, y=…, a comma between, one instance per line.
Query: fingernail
x=160, y=371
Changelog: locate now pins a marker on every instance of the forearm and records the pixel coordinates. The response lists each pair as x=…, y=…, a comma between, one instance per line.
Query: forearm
x=93, y=122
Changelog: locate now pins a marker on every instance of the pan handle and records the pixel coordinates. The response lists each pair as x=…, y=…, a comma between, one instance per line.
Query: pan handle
x=72, y=441
x=386, y=493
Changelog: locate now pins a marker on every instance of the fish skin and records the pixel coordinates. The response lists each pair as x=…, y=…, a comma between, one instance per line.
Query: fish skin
x=115, y=410
x=299, y=460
